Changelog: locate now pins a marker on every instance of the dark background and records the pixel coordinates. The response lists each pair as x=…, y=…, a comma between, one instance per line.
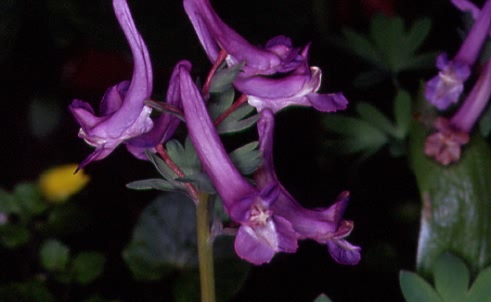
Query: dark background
x=55, y=51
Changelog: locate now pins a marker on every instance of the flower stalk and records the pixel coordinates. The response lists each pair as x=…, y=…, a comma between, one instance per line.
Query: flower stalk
x=205, y=249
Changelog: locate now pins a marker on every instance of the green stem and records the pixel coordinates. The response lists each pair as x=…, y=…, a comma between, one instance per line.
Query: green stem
x=205, y=249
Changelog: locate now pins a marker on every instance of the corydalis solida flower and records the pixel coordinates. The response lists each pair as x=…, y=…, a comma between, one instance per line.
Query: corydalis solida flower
x=123, y=114
x=445, y=88
x=273, y=77
x=445, y=144
x=270, y=219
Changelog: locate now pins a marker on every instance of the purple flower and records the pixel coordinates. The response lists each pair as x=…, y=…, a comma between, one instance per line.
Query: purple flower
x=273, y=77
x=261, y=233
x=445, y=88
x=270, y=219
x=164, y=126
x=324, y=225
x=122, y=115
x=445, y=144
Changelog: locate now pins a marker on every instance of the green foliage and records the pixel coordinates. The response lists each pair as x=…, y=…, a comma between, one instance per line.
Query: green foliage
x=485, y=122
x=238, y=120
x=451, y=278
x=163, y=238
x=30, y=291
x=164, y=242
x=373, y=130
x=222, y=80
x=61, y=220
x=416, y=289
x=87, y=266
x=390, y=48
x=54, y=255
x=246, y=158
x=84, y=268
x=21, y=206
x=322, y=298
x=456, y=214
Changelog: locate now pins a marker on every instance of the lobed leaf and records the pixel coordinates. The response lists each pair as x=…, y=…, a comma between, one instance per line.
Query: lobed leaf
x=451, y=278
x=416, y=289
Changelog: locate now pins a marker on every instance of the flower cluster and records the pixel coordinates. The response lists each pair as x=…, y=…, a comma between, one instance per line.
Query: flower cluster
x=272, y=78
x=444, y=89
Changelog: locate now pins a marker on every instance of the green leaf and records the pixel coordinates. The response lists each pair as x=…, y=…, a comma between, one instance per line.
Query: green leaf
x=356, y=135
x=451, y=278
x=322, y=298
x=28, y=197
x=222, y=80
x=376, y=118
x=218, y=104
x=230, y=127
x=152, y=183
x=12, y=236
x=387, y=34
x=163, y=239
x=402, y=113
x=485, y=122
x=362, y=47
x=424, y=61
x=456, y=214
x=417, y=34
x=246, y=158
x=163, y=169
x=54, y=255
x=480, y=290
x=67, y=218
x=87, y=266
x=416, y=289
x=30, y=291
x=238, y=120
x=200, y=180
x=8, y=204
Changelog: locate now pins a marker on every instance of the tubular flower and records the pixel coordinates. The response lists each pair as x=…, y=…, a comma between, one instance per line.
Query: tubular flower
x=445, y=88
x=261, y=234
x=324, y=225
x=123, y=115
x=165, y=125
x=270, y=219
x=445, y=145
x=273, y=77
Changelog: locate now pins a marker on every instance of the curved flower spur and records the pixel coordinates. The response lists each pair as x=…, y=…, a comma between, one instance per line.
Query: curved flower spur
x=270, y=219
x=123, y=114
x=273, y=77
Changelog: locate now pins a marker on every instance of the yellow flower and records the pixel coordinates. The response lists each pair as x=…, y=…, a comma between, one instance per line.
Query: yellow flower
x=59, y=183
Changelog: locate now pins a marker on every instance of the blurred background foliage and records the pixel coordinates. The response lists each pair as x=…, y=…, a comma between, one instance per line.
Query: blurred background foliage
x=55, y=51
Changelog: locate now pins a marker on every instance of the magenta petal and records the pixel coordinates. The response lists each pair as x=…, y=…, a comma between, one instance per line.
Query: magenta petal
x=123, y=114
x=214, y=35
x=166, y=124
x=252, y=249
x=84, y=114
x=343, y=252
x=113, y=98
x=258, y=244
x=331, y=102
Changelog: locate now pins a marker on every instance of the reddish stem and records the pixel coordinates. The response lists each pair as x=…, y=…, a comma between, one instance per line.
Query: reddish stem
x=165, y=156
x=241, y=100
x=222, y=55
